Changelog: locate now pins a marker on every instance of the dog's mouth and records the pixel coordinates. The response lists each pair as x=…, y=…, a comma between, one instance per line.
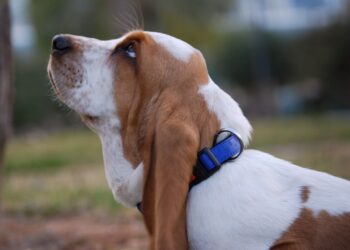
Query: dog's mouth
x=90, y=121
x=66, y=95
x=54, y=86
x=89, y=118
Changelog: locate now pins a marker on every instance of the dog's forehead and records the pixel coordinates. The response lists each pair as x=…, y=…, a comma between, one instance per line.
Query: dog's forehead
x=176, y=47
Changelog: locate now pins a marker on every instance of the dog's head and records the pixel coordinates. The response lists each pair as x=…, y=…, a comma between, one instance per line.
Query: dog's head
x=101, y=79
x=153, y=91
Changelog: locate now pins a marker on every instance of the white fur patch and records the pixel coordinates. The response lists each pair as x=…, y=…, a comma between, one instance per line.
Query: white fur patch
x=125, y=182
x=93, y=90
x=327, y=192
x=98, y=92
x=176, y=47
x=251, y=201
x=227, y=110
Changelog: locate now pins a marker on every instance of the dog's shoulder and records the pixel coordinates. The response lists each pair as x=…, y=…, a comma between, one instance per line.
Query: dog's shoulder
x=312, y=184
x=261, y=197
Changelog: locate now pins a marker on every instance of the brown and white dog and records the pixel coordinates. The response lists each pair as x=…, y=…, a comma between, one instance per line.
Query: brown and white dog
x=151, y=101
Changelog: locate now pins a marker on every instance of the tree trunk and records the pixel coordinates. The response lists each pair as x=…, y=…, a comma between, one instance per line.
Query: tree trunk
x=6, y=90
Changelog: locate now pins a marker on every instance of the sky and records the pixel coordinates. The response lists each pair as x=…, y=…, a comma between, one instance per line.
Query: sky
x=22, y=31
x=284, y=14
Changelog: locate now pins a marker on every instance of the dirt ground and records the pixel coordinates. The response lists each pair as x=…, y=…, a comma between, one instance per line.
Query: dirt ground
x=73, y=232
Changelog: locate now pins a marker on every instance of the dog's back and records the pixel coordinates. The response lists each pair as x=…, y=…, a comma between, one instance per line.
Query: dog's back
x=267, y=203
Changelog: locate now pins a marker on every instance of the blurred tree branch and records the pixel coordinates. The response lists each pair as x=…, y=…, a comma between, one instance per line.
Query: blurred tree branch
x=6, y=90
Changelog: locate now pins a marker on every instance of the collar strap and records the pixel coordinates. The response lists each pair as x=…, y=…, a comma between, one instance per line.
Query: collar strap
x=210, y=160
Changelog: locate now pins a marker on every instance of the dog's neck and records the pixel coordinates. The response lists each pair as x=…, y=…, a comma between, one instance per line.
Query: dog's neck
x=125, y=180
x=227, y=110
x=118, y=169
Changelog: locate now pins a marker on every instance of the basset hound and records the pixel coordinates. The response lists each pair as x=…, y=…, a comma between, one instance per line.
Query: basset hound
x=151, y=101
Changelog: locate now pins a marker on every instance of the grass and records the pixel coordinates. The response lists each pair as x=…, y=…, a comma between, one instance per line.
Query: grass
x=315, y=142
x=63, y=172
x=38, y=153
x=299, y=130
x=74, y=189
x=56, y=173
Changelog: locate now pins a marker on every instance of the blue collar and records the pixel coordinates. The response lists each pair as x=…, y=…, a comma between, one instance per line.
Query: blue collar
x=211, y=159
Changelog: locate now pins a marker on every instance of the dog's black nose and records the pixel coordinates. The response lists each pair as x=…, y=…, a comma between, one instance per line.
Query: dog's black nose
x=61, y=44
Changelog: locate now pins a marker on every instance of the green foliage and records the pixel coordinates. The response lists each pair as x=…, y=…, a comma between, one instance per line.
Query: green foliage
x=325, y=54
x=81, y=17
x=33, y=98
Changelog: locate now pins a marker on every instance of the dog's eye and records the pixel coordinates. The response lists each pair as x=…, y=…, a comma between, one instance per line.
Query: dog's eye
x=130, y=50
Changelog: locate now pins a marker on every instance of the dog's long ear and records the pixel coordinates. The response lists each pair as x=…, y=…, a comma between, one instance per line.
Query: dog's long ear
x=168, y=169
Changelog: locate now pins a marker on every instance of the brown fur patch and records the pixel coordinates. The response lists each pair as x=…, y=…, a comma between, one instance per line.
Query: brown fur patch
x=305, y=192
x=165, y=121
x=320, y=232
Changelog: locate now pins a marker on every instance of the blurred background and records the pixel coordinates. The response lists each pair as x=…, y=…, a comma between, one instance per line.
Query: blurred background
x=286, y=62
